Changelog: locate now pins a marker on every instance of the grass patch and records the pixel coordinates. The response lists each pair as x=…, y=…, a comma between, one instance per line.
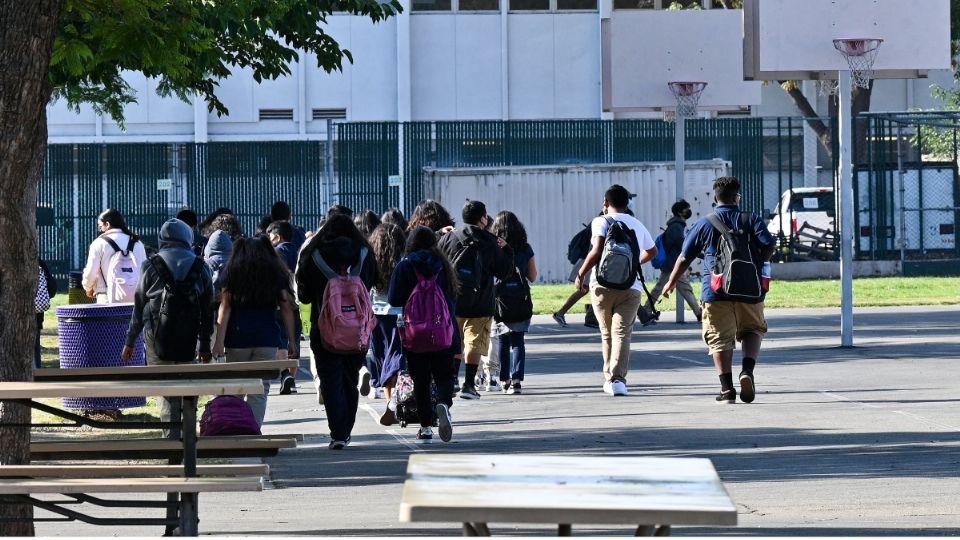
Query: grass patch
x=883, y=291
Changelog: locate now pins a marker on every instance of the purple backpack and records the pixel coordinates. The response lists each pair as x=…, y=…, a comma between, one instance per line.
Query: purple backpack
x=427, y=326
x=228, y=415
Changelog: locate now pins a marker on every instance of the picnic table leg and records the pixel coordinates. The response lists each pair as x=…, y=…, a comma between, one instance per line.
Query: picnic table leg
x=188, y=501
x=175, y=405
x=475, y=529
x=653, y=530
x=564, y=529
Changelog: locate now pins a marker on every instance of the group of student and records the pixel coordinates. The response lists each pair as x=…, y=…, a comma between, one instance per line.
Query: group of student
x=421, y=297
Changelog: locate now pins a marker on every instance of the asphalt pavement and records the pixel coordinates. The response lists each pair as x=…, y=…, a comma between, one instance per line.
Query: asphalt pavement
x=859, y=441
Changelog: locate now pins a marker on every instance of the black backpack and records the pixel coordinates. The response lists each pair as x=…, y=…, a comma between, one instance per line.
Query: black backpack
x=469, y=267
x=579, y=245
x=734, y=273
x=178, y=323
x=514, y=301
x=619, y=265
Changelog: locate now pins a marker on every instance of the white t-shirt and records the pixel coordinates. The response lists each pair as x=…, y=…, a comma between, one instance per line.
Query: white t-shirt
x=599, y=226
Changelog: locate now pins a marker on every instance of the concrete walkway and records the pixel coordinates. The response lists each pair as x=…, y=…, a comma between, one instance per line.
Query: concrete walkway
x=860, y=441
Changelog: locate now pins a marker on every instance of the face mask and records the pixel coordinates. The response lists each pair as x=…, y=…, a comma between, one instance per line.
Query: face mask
x=630, y=204
x=686, y=214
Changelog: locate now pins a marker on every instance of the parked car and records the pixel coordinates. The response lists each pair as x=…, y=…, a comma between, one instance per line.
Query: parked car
x=805, y=220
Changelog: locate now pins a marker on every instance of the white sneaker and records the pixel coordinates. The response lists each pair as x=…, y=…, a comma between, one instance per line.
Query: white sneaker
x=619, y=388
x=316, y=384
x=364, y=385
x=481, y=378
x=494, y=386
x=608, y=388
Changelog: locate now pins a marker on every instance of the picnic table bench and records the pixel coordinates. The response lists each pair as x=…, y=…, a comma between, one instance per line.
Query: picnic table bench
x=181, y=504
x=648, y=493
x=266, y=369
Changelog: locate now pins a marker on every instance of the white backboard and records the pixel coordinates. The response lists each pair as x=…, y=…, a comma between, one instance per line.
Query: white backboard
x=793, y=39
x=643, y=50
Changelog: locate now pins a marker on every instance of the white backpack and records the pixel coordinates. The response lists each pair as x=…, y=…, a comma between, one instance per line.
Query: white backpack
x=123, y=273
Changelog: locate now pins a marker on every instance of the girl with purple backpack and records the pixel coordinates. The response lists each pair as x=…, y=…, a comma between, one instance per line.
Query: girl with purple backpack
x=425, y=284
x=340, y=248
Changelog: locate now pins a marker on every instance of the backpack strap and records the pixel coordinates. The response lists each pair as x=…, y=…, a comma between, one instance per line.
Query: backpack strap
x=720, y=226
x=329, y=273
x=355, y=269
x=130, y=244
x=163, y=270
x=112, y=244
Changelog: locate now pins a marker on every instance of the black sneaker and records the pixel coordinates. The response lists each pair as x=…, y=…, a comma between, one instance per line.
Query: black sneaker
x=515, y=389
x=425, y=434
x=747, y=389
x=337, y=445
x=727, y=397
x=469, y=392
x=444, y=423
x=286, y=384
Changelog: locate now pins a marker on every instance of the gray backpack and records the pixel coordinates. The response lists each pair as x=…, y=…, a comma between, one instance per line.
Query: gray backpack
x=620, y=261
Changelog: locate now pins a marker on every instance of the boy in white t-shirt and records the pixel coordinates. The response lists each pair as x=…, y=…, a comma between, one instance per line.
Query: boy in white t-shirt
x=616, y=310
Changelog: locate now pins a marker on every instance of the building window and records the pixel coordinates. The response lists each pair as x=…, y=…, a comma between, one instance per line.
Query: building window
x=578, y=5
x=479, y=5
x=431, y=5
x=636, y=4
x=529, y=5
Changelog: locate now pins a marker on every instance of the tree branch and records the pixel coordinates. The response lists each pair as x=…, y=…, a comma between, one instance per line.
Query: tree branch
x=823, y=132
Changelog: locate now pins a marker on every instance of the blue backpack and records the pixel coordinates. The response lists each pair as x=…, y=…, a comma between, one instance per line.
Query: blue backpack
x=661, y=258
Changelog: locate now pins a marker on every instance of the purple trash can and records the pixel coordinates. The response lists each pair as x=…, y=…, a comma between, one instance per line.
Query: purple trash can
x=92, y=335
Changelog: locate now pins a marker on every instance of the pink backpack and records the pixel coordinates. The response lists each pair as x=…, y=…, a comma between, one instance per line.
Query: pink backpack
x=346, y=319
x=228, y=415
x=427, y=326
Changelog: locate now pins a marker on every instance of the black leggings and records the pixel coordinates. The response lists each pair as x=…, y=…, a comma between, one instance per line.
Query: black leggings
x=423, y=366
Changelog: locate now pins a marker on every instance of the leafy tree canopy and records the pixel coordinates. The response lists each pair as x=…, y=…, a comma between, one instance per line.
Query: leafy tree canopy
x=188, y=45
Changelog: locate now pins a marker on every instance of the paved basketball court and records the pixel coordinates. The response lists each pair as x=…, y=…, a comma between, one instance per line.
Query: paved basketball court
x=838, y=442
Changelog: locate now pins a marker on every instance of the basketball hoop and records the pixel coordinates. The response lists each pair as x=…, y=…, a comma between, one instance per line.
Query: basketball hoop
x=828, y=87
x=688, y=96
x=860, y=54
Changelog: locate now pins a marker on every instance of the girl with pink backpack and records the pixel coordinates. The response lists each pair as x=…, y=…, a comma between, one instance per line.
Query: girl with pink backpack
x=335, y=272
x=425, y=284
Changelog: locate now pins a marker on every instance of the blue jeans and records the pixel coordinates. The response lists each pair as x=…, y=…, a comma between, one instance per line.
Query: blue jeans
x=511, y=346
x=339, y=376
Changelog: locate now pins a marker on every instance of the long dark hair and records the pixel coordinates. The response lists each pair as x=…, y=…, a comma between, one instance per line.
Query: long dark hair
x=430, y=214
x=255, y=274
x=227, y=223
x=115, y=219
x=333, y=227
x=388, y=243
x=421, y=238
x=507, y=226
x=394, y=216
x=366, y=221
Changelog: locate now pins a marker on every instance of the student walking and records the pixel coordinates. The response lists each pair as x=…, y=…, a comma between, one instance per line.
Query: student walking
x=388, y=242
x=514, y=306
x=478, y=257
x=280, y=211
x=672, y=243
x=431, y=339
x=338, y=251
x=280, y=234
x=431, y=214
x=115, y=260
x=620, y=244
x=176, y=335
x=577, y=251
x=734, y=245
x=257, y=284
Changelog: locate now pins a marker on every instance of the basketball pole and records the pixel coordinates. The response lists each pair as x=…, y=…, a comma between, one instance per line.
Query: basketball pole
x=680, y=155
x=844, y=114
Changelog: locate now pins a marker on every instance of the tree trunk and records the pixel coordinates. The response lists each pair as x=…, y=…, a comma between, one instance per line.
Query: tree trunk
x=860, y=103
x=27, y=30
x=824, y=134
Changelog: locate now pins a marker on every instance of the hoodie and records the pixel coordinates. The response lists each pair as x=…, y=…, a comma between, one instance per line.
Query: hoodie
x=216, y=254
x=177, y=253
x=339, y=253
x=404, y=280
x=673, y=242
x=495, y=262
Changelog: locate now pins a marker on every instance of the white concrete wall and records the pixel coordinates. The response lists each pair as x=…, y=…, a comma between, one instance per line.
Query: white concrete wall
x=458, y=70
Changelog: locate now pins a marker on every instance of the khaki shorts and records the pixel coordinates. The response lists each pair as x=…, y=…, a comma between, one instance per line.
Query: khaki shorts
x=725, y=321
x=475, y=333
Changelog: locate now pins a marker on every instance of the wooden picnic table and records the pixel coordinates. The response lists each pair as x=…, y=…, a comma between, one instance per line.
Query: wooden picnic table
x=651, y=493
x=267, y=369
x=26, y=393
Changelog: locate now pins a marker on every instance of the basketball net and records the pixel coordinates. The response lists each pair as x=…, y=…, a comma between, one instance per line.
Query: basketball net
x=860, y=55
x=688, y=97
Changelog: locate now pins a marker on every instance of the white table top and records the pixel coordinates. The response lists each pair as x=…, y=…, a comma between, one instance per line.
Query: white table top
x=135, y=388
x=564, y=490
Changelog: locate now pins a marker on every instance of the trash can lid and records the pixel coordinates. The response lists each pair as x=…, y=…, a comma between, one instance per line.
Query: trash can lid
x=82, y=311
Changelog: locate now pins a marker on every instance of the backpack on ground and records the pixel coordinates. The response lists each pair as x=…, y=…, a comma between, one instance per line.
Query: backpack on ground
x=466, y=262
x=734, y=273
x=661, y=258
x=579, y=245
x=178, y=323
x=620, y=261
x=407, y=412
x=228, y=415
x=514, y=303
x=123, y=272
x=427, y=325
x=346, y=319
